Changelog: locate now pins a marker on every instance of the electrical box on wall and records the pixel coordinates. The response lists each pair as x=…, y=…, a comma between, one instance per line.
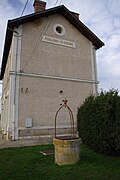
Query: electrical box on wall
x=28, y=123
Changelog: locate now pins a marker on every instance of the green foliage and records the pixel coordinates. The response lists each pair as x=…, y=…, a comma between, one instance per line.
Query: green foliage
x=98, y=122
x=27, y=163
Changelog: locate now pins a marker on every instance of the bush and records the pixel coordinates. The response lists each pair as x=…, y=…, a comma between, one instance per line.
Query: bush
x=98, y=122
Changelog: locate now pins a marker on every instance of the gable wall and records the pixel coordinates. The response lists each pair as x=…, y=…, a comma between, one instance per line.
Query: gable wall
x=40, y=97
x=56, y=58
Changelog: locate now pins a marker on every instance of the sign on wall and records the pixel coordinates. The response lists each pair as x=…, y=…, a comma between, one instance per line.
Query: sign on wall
x=58, y=41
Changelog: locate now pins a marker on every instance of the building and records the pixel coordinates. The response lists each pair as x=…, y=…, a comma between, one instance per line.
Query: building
x=48, y=56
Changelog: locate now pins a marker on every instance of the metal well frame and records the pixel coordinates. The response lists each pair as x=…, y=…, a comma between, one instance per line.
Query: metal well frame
x=71, y=118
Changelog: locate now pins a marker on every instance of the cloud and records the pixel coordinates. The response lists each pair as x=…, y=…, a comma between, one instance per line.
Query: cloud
x=109, y=63
x=104, y=20
x=113, y=7
x=6, y=12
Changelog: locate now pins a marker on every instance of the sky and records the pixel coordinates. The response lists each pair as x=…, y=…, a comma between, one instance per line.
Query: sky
x=100, y=16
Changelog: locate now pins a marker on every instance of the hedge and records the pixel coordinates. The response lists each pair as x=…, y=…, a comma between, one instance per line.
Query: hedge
x=98, y=122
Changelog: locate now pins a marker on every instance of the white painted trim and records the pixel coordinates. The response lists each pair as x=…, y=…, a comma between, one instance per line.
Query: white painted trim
x=10, y=115
x=14, y=81
x=11, y=100
x=19, y=30
x=45, y=127
x=55, y=77
x=94, y=70
x=95, y=67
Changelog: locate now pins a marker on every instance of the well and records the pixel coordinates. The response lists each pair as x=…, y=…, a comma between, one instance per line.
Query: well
x=67, y=149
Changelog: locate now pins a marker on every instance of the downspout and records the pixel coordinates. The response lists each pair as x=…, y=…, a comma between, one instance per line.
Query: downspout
x=95, y=71
x=15, y=78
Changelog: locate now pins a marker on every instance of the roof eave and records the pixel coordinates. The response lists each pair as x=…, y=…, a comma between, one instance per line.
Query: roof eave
x=83, y=29
x=8, y=40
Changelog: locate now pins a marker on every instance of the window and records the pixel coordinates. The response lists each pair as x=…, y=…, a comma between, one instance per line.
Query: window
x=59, y=29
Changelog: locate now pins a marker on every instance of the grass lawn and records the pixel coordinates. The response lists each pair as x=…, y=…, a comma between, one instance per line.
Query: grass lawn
x=27, y=163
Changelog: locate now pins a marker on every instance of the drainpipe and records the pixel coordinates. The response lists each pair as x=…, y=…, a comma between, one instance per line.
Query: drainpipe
x=15, y=78
x=95, y=71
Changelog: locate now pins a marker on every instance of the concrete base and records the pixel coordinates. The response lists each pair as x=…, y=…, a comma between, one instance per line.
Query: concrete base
x=67, y=151
x=23, y=142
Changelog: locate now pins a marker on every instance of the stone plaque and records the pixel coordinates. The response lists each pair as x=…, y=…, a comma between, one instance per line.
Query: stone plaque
x=58, y=41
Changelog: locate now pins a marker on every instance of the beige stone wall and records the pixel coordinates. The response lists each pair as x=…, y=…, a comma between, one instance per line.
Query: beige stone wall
x=42, y=100
x=8, y=87
x=6, y=75
x=5, y=97
x=39, y=98
x=46, y=58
